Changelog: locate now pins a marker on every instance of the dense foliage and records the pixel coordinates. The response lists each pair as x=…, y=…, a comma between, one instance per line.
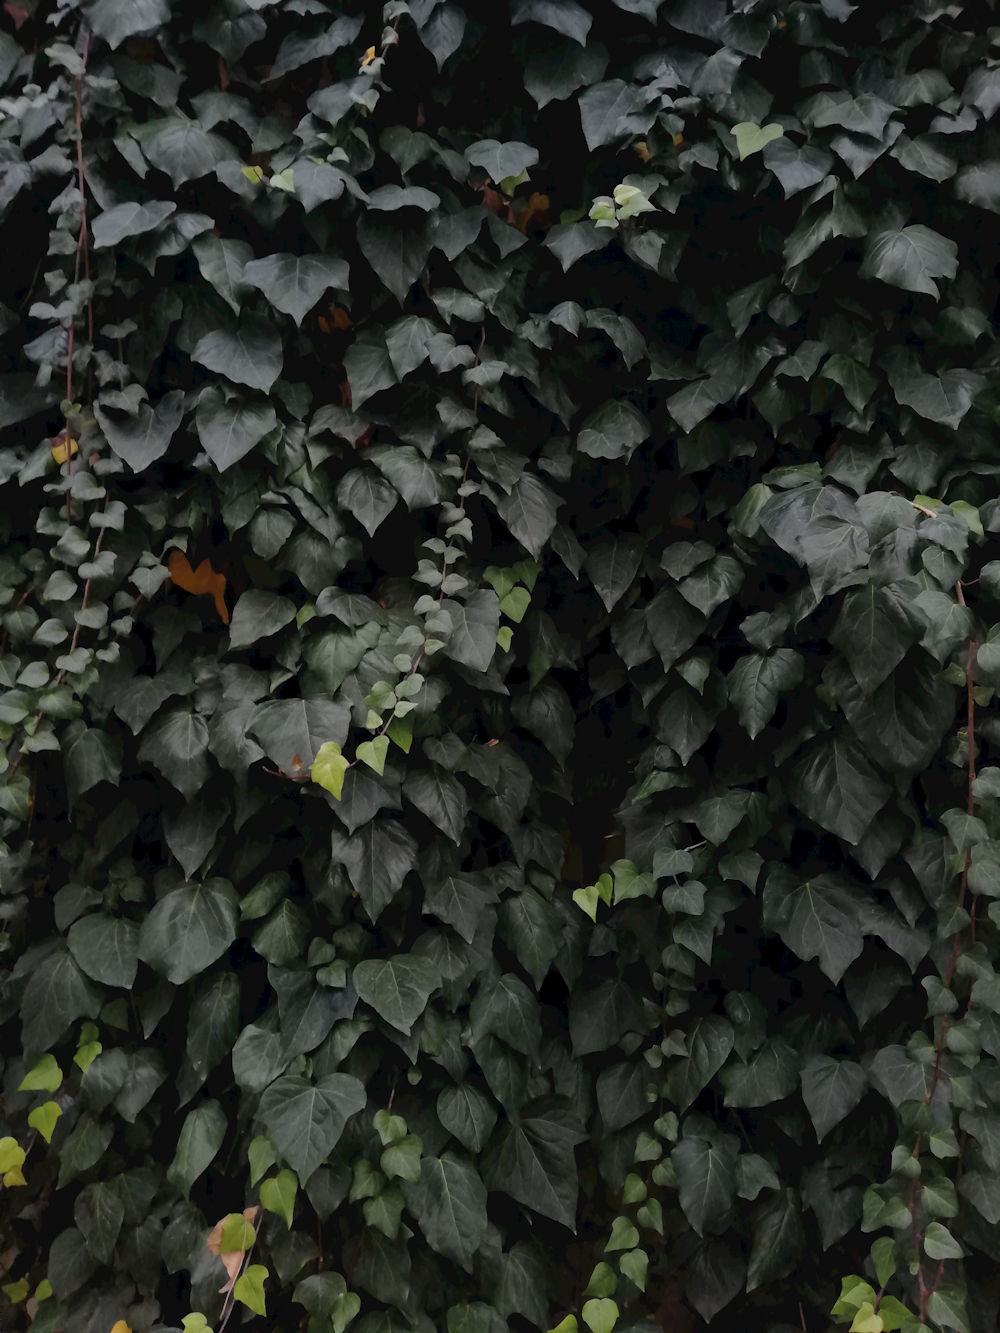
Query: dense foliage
x=426, y=433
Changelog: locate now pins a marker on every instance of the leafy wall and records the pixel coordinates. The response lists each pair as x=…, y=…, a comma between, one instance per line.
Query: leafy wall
x=424, y=435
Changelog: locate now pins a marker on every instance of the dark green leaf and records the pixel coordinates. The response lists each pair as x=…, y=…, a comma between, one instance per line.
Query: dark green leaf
x=397, y=988
x=468, y=1114
x=534, y=1161
x=378, y=858
x=250, y=354
x=705, y=1180
x=777, y=1239
x=189, y=928
x=105, y=948
x=56, y=995
x=201, y=1137
x=306, y=1121
x=449, y=1204
x=838, y=788
x=230, y=430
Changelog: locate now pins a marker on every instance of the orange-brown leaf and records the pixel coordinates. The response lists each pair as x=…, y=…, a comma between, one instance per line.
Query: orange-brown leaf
x=201, y=581
x=535, y=214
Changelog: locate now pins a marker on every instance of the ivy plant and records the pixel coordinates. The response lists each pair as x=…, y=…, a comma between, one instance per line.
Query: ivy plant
x=500, y=802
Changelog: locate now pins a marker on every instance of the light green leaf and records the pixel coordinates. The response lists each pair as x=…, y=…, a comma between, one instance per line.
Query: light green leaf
x=249, y=1288
x=43, y=1118
x=278, y=1195
x=751, y=138
x=600, y=1314
x=45, y=1076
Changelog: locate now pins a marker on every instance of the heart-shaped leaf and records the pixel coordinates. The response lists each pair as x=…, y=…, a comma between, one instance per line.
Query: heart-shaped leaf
x=586, y=900
x=751, y=138
x=600, y=1315
x=329, y=767
x=278, y=1195
x=250, y=1288
x=44, y=1117
x=373, y=753
x=46, y=1076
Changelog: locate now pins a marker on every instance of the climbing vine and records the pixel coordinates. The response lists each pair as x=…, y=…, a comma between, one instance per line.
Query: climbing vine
x=499, y=800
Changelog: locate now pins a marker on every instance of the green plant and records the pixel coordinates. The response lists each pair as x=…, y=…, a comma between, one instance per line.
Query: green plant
x=370, y=537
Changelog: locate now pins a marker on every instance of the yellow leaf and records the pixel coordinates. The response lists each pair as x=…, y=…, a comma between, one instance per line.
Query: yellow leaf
x=253, y=174
x=11, y=1154
x=641, y=149
x=44, y=1290
x=14, y=1177
x=120, y=1327
x=368, y=56
x=16, y=1291
x=63, y=452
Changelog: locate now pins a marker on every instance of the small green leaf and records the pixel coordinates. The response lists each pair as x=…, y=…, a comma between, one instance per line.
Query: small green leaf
x=384, y=1212
x=373, y=753
x=46, y=1076
x=884, y=1259
x=504, y=637
x=390, y=1128
x=16, y=1291
x=262, y=1157
x=567, y=1325
x=328, y=768
x=402, y=1158
x=44, y=1290
x=278, y=1195
x=634, y=1190
x=854, y=1292
x=87, y=1054
x=515, y=604
x=634, y=1265
x=250, y=1288
x=623, y=1235
x=866, y=1320
x=600, y=1315
x=44, y=1117
x=939, y=1243
x=603, y=1281
x=586, y=900
x=751, y=138
x=345, y=1308
x=400, y=732
x=237, y=1234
